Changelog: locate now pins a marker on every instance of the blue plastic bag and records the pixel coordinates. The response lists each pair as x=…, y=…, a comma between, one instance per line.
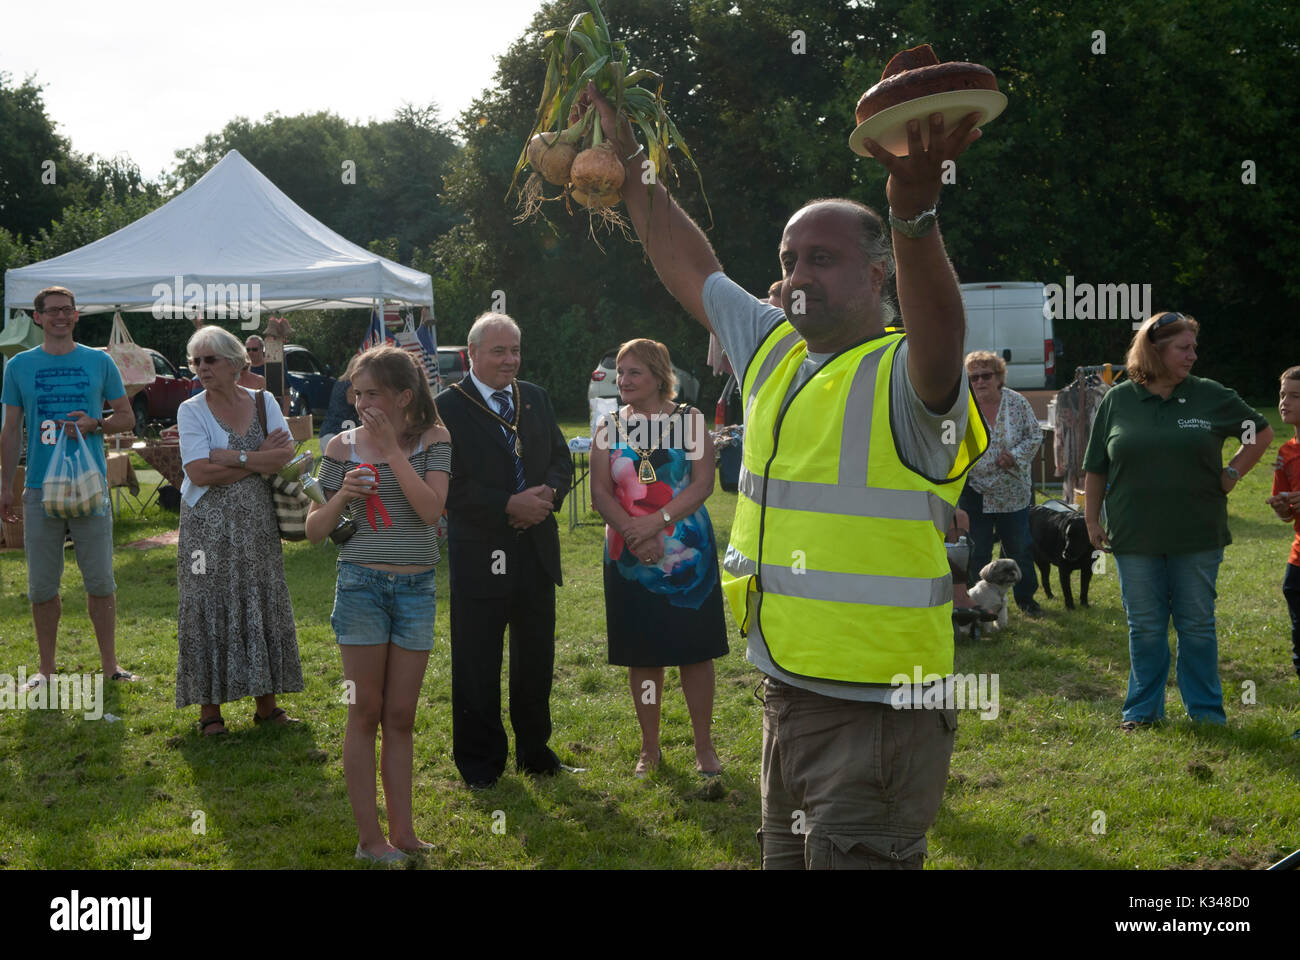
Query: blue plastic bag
x=73, y=484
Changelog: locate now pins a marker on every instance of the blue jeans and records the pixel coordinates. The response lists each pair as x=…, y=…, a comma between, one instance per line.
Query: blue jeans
x=1017, y=543
x=1154, y=587
x=372, y=607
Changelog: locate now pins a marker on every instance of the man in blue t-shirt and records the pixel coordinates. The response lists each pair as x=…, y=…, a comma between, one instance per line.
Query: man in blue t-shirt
x=59, y=385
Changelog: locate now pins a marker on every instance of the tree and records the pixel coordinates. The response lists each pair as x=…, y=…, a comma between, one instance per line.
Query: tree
x=1117, y=167
x=29, y=149
x=362, y=181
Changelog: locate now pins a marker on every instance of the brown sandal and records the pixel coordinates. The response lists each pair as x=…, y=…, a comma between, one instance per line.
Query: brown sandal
x=274, y=717
x=210, y=721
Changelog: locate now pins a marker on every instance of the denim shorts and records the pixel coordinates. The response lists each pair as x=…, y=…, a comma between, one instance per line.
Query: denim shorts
x=92, y=539
x=373, y=607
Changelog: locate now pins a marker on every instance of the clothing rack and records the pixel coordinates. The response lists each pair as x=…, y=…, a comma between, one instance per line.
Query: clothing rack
x=1107, y=373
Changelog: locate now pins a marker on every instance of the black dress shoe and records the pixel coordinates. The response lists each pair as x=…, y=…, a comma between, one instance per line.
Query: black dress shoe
x=552, y=771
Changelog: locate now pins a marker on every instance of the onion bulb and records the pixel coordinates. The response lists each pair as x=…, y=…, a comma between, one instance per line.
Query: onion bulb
x=594, y=201
x=551, y=157
x=597, y=172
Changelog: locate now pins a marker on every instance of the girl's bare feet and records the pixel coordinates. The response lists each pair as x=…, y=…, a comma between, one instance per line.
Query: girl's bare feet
x=647, y=763
x=379, y=852
x=707, y=762
x=409, y=844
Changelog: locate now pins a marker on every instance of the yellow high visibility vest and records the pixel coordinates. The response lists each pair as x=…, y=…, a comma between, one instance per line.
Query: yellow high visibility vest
x=836, y=561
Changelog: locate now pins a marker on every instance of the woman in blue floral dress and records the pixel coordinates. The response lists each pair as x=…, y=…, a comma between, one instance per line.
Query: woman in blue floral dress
x=663, y=598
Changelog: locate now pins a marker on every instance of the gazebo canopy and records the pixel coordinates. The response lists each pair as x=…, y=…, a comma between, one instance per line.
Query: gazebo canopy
x=232, y=238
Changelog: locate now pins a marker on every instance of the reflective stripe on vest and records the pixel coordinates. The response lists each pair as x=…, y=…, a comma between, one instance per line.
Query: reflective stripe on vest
x=854, y=586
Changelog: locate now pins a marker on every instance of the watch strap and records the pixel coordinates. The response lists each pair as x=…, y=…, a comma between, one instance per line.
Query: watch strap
x=918, y=226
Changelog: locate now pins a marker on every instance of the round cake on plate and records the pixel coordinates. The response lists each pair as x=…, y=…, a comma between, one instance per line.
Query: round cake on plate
x=917, y=73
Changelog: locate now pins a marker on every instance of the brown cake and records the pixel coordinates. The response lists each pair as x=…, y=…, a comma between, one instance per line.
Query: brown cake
x=917, y=73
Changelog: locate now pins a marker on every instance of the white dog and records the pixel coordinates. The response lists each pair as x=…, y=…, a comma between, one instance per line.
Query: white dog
x=990, y=593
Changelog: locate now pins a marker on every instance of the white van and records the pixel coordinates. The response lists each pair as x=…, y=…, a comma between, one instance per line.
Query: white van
x=1013, y=320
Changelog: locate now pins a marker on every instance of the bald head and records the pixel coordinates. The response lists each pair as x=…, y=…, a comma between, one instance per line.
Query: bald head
x=868, y=231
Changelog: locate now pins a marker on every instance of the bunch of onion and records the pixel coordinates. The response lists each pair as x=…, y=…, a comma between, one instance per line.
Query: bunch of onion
x=577, y=56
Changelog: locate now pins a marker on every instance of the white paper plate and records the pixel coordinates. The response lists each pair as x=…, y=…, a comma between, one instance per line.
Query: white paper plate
x=889, y=127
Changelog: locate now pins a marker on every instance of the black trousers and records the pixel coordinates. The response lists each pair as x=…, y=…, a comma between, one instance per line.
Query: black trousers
x=477, y=628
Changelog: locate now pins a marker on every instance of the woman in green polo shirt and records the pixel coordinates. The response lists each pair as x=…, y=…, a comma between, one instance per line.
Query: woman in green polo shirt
x=1156, y=456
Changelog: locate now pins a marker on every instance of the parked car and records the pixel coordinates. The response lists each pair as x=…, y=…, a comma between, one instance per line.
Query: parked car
x=159, y=401
x=604, y=381
x=453, y=364
x=1013, y=320
x=307, y=381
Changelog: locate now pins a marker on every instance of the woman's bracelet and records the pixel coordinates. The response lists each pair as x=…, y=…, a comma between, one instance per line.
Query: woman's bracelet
x=640, y=149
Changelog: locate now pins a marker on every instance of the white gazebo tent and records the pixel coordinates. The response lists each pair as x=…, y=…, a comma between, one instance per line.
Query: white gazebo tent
x=233, y=238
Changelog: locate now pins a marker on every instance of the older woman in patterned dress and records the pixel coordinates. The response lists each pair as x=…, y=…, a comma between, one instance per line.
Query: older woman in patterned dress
x=235, y=620
x=999, y=490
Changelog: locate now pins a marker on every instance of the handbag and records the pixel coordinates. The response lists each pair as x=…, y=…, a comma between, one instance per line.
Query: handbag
x=72, y=485
x=133, y=362
x=291, y=504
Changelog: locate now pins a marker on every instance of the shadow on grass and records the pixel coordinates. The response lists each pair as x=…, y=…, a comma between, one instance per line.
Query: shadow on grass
x=981, y=844
x=70, y=772
x=563, y=823
x=265, y=794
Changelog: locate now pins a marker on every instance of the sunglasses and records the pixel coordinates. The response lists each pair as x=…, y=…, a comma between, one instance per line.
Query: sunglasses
x=210, y=361
x=1164, y=321
x=977, y=377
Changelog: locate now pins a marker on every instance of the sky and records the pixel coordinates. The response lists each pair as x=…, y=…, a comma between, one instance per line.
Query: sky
x=146, y=78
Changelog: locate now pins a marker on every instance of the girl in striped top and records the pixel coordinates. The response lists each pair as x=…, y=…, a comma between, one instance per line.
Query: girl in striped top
x=384, y=602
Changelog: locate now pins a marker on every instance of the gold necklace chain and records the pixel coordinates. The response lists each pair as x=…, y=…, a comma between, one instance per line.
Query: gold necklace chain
x=513, y=427
x=646, y=471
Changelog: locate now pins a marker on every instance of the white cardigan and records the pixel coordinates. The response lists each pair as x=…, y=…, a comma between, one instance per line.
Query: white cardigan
x=201, y=434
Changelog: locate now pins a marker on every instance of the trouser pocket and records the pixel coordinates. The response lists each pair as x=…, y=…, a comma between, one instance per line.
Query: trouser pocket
x=839, y=851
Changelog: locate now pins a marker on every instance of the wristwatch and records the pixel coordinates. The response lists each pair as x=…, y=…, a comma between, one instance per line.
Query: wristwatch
x=1232, y=472
x=668, y=520
x=918, y=226
x=243, y=458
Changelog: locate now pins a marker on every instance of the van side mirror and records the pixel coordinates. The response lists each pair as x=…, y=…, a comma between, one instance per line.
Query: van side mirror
x=1006, y=355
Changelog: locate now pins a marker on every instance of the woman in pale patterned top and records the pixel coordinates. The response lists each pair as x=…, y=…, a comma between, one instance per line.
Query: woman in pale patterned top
x=384, y=604
x=235, y=629
x=999, y=490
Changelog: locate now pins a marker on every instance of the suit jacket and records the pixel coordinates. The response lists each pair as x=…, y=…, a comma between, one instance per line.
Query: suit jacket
x=483, y=480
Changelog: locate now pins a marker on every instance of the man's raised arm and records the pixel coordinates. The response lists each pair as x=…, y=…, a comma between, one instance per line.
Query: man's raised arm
x=928, y=296
x=677, y=247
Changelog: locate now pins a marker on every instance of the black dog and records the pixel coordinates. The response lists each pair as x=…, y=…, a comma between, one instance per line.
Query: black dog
x=1061, y=539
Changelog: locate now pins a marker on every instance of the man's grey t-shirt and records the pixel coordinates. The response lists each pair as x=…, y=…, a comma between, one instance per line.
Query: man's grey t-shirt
x=741, y=322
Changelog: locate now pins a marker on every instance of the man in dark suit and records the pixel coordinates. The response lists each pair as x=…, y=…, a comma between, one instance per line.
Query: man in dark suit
x=510, y=471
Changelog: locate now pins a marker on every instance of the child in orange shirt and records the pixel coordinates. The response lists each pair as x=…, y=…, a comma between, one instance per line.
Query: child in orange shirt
x=1286, y=500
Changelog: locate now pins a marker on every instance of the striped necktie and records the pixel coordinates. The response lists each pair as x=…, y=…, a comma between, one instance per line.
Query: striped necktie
x=507, y=411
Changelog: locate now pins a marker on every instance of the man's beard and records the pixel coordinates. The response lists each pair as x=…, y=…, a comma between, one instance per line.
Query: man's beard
x=832, y=324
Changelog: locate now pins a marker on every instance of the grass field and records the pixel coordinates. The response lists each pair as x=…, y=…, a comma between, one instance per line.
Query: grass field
x=1049, y=783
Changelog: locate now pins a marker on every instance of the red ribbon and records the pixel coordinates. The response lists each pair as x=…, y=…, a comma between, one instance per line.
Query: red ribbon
x=375, y=506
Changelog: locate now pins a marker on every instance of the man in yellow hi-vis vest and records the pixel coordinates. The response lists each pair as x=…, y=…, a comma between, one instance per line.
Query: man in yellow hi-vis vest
x=856, y=443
